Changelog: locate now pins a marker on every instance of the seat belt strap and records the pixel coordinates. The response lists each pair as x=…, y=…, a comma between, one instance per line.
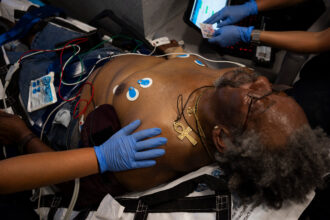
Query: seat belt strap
x=175, y=200
x=141, y=212
x=222, y=206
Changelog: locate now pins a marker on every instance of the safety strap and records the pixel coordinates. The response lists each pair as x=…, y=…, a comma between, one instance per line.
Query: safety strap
x=175, y=200
x=166, y=201
x=27, y=21
x=55, y=202
x=219, y=203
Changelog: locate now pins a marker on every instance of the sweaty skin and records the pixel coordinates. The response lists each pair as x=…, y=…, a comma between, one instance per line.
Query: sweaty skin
x=156, y=106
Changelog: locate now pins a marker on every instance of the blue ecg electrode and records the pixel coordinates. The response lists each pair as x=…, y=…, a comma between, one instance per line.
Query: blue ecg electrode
x=145, y=82
x=198, y=62
x=183, y=56
x=132, y=94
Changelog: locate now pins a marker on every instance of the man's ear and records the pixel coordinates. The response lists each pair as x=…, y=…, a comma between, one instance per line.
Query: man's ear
x=218, y=133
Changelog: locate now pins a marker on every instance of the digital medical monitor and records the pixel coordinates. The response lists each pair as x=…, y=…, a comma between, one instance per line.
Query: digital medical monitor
x=203, y=9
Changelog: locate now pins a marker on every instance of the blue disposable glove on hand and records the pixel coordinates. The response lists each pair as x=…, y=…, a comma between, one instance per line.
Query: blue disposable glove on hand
x=125, y=150
x=230, y=35
x=232, y=14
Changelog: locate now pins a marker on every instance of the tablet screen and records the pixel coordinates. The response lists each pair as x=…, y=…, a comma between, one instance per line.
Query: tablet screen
x=203, y=9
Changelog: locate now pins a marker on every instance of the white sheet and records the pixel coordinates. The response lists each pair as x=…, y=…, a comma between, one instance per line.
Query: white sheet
x=7, y=8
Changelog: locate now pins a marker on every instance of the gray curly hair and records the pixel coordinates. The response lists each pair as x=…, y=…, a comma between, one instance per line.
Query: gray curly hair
x=271, y=176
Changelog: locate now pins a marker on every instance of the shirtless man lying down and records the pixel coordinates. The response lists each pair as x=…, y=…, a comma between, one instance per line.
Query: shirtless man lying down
x=259, y=136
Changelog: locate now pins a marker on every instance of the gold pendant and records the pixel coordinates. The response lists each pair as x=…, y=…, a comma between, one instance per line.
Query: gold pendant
x=178, y=127
x=190, y=111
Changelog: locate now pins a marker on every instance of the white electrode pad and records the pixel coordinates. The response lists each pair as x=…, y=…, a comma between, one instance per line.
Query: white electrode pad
x=42, y=92
x=198, y=62
x=132, y=94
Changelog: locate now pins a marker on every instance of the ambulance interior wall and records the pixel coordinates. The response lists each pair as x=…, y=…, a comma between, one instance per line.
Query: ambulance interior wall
x=146, y=16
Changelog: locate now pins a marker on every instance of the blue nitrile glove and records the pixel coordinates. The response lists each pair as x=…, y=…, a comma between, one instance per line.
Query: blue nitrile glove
x=232, y=14
x=124, y=150
x=230, y=35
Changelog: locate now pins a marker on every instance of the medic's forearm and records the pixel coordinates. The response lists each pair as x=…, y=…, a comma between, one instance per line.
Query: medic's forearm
x=298, y=41
x=40, y=169
x=264, y=5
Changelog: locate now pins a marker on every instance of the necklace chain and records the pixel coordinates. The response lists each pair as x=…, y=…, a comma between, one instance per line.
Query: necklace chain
x=198, y=131
x=201, y=133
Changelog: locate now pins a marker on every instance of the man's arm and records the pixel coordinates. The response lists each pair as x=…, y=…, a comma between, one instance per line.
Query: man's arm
x=172, y=47
x=298, y=41
x=41, y=169
x=36, y=146
x=13, y=131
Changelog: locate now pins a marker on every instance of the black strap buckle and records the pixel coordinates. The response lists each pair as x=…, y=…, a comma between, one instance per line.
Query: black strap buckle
x=56, y=202
x=141, y=211
x=222, y=202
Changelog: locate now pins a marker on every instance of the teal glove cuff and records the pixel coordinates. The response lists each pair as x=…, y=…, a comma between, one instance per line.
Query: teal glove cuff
x=100, y=159
x=253, y=6
x=246, y=34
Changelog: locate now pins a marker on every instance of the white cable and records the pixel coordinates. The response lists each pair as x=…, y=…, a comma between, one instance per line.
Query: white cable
x=66, y=63
x=153, y=51
x=50, y=114
x=104, y=58
x=39, y=199
x=4, y=95
x=194, y=54
x=32, y=54
x=125, y=54
x=146, y=55
x=204, y=58
x=90, y=72
x=73, y=199
x=42, y=131
x=47, y=50
x=5, y=57
x=136, y=54
x=73, y=55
